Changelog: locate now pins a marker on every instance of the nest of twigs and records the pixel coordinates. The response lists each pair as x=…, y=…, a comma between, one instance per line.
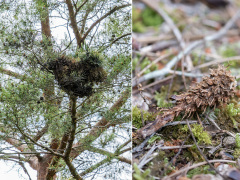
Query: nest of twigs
x=77, y=77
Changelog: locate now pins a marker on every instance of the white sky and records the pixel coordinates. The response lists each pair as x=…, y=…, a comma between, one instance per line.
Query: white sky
x=8, y=172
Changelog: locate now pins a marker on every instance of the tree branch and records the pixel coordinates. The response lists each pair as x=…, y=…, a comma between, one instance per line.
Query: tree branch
x=74, y=22
x=103, y=17
x=92, y=168
x=80, y=6
x=115, y=40
x=72, y=169
x=14, y=74
x=41, y=133
x=73, y=101
x=109, y=154
x=99, y=128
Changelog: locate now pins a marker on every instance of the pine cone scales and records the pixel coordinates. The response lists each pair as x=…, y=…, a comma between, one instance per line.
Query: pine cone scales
x=210, y=92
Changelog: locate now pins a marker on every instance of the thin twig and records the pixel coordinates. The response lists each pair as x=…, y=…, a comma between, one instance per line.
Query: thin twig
x=196, y=165
x=200, y=151
x=218, y=61
x=145, y=158
x=188, y=49
x=153, y=4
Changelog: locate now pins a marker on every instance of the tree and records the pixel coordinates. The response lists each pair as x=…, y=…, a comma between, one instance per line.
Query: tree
x=65, y=87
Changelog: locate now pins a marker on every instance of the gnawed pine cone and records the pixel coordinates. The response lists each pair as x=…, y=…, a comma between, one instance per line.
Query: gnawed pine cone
x=212, y=91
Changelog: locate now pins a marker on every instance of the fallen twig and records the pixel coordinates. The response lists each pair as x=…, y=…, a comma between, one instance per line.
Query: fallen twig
x=218, y=61
x=186, y=51
x=197, y=165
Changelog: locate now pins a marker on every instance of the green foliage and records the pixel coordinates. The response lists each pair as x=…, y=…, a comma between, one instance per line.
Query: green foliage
x=137, y=115
x=106, y=139
x=201, y=135
x=137, y=25
x=229, y=51
x=138, y=175
x=237, y=139
x=143, y=64
x=236, y=153
x=232, y=109
x=161, y=98
x=151, y=18
x=200, y=170
x=143, y=18
x=153, y=139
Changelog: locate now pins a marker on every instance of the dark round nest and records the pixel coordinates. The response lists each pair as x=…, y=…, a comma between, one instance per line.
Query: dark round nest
x=78, y=77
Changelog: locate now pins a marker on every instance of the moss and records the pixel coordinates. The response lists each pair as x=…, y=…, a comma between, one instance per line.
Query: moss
x=237, y=139
x=236, y=153
x=198, y=132
x=161, y=98
x=200, y=170
x=137, y=116
x=173, y=132
x=232, y=109
x=151, y=18
x=138, y=175
x=232, y=112
x=137, y=25
x=153, y=139
x=143, y=64
x=229, y=51
x=144, y=18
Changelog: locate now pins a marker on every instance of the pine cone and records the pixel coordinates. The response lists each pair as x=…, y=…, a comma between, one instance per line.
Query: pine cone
x=210, y=92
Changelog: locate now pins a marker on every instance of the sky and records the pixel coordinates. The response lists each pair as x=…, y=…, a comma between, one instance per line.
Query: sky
x=8, y=172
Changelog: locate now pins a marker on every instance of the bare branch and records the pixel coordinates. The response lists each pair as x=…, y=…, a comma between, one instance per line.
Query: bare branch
x=80, y=6
x=103, y=17
x=115, y=40
x=74, y=22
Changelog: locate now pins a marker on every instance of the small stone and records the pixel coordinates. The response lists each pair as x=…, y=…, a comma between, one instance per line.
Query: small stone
x=229, y=141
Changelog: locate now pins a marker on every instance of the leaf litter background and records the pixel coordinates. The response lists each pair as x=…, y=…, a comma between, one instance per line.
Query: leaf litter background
x=162, y=31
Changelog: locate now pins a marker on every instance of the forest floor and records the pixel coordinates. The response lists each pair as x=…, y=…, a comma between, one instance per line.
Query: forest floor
x=174, y=46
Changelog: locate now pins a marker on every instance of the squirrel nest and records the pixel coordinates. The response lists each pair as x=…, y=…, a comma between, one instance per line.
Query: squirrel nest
x=212, y=91
x=78, y=77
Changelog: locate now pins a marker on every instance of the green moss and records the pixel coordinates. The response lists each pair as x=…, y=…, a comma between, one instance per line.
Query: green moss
x=137, y=116
x=236, y=153
x=143, y=64
x=232, y=109
x=144, y=18
x=136, y=14
x=237, y=139
x=153, y=139
x=138, y=175
x=138, y=27
x=161, y=98
x=198, y=132
x=229, y=52
x=151, y=18
x=200, y=170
